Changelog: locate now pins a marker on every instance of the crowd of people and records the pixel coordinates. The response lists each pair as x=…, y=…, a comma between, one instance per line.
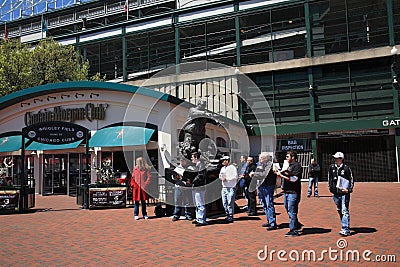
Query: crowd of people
x=251, y=179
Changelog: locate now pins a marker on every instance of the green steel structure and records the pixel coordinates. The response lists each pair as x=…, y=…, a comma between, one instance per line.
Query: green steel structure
x=326, y=67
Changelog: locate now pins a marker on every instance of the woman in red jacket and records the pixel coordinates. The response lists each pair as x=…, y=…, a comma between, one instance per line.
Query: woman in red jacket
x=141, y=176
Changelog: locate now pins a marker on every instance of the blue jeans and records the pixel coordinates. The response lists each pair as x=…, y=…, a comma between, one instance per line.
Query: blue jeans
x=199, y=195
x=291, y=202
x=228, y=200
x=342, y=202
x=182, y=199
x=136, y=208
x=266, y=195
x=312, y=181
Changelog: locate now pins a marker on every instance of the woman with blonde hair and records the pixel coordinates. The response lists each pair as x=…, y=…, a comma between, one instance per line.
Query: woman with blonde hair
x=141, y=176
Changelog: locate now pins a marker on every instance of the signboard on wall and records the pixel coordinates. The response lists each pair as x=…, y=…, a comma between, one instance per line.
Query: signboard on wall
x=292, y=144
x=55, y=132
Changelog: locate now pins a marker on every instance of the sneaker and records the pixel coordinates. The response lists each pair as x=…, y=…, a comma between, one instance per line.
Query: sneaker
x=174, y=219
x=308, y=195
x=229, y=220
x=344, y=233
x=136, y=217
x=265, y=225
x=316, y=196
x=145, y=217
x=271, y=228
x=299, y=226
x=292, y=233
x=252, y=214
x=200, y=224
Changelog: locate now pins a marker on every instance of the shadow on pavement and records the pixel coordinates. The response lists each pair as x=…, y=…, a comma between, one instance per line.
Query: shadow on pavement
x=362, y=230
x=315, y=230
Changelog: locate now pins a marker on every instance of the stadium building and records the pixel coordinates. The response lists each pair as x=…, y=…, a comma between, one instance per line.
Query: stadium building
x=327, y=68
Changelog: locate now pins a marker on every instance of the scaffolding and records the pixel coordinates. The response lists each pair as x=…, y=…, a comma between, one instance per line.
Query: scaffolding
x=16, y=9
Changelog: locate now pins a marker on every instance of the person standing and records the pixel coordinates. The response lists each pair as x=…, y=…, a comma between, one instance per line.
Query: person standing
x=314, y=171
x=181, y=193
x=228, y=175
x=292, y=191
x=199, y=190
x=241, y=185
x=141, y=177
x=251, y=192
x=341, y=183
x=266, y=175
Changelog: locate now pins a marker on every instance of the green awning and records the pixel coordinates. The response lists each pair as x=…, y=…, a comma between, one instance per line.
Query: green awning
x=10, y=143
x=40, y=146
x=121, y=136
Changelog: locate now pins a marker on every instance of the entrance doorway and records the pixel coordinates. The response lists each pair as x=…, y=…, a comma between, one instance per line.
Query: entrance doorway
x=371, y=158
x=77, y=171
x=55, y=169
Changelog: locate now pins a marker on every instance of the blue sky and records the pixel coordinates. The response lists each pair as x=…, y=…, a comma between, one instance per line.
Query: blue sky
x=12, y=9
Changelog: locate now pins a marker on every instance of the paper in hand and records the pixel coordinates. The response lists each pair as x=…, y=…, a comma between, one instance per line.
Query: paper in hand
x=342, y=183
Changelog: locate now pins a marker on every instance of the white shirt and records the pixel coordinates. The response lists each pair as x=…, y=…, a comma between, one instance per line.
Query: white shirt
x=230, y=174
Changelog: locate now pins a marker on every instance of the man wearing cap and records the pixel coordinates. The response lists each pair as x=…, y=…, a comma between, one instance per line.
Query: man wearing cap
x=228, y=175
x=341, y=183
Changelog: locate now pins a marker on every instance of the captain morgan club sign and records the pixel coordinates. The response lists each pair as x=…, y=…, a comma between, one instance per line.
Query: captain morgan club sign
x=90, y=112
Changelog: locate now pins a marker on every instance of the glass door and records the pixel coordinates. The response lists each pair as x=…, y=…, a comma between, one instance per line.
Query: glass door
x=55, y=174
x=75, y=173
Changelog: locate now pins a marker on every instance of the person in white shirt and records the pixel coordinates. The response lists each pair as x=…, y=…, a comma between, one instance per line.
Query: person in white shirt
x=228, y=175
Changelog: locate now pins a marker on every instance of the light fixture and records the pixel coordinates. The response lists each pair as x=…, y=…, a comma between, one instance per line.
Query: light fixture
x=237, y=71
x=62, y=96
x=394, y=51
x=51, y=97
x=33, y=152
x=93, y=94
x=37, y=99
x=91, y=149
x=27, y=104
x=311, y=87
x=163, y=147
x=78, y=94
x=395, y=80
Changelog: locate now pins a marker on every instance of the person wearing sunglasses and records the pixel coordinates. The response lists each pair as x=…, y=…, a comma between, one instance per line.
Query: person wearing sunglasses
x=292, y=191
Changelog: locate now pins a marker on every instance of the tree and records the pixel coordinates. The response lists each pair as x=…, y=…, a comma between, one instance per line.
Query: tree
x=22, y=66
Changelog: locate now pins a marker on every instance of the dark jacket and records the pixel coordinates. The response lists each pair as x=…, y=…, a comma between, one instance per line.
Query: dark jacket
x=343, y=171
x=289, y=187
x=265, y=173
x=314, y=170
x=199, y=173
x=250, y=168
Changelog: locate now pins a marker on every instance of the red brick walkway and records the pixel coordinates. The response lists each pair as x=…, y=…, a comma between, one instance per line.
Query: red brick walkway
x=59, y=233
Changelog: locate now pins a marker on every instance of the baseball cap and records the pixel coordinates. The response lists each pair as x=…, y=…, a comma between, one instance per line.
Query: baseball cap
x=338, y=155
x=225, y=158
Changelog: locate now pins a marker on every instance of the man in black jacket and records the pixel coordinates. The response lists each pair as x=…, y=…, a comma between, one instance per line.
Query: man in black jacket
x=267, y=177
x=292, y=191
x=251, y=192
x=313, y=175
x=182, y=193
x=341, y=183
x=198, y=189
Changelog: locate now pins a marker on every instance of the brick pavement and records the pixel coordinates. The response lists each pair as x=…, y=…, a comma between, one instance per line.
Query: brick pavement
x=59, y=233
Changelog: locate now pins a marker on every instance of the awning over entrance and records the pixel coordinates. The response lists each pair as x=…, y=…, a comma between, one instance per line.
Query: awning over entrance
x=121, y=136
x=40, y=146
x=10, y=143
